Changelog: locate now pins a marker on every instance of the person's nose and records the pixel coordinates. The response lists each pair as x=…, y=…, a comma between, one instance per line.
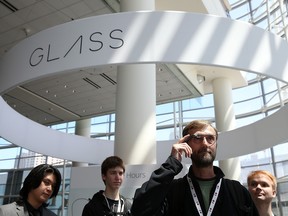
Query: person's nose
x=258, y=187
x=49, y=187
x=118, y=176
x=204, y=140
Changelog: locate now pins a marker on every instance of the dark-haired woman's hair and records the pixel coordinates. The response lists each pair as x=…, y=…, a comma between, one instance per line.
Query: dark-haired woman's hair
x=35, y=177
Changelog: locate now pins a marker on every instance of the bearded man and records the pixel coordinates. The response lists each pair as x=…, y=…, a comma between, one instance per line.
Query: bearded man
x=203, y=191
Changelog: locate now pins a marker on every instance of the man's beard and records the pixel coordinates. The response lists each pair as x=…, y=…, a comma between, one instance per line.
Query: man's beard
x=203, y=158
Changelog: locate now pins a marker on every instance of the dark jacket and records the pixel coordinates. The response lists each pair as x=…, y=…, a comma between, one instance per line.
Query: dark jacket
x=20, y=209
x=97, y=206
x=164, y=195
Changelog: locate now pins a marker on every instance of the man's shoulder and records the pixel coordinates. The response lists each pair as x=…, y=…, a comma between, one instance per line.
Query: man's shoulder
x=232, y=182
x=12, y=205
x=10, y=208
x=240, y=197
x=238, y=192
x=97, y=198
x=98, y=195
x=234, y=185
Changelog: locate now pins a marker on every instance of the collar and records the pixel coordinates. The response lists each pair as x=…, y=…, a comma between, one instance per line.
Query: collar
x=33, y=210
x=218, y=172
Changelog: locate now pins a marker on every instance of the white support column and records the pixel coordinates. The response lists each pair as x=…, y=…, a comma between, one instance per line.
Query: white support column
x=135, y=138
x=82, y=128
x=225, y=120
x=135, y=133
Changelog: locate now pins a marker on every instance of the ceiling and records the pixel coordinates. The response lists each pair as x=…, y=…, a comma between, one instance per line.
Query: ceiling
x=90, y=92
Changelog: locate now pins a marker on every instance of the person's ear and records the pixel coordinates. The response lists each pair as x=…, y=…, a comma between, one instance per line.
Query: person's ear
x=103, y=177
x=274, y=193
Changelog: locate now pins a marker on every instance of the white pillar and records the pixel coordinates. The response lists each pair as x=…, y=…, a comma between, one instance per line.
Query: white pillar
x=135, y=138
x=82, y=128
x=225, y=121
x=135, y=132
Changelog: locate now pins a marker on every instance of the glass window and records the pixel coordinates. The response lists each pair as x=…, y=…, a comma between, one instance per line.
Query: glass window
x=240, y=94
x=283, y=189
x=3, y=181
x=4, y=142
x=270, y=85
x=248, y=106
x=207, y=113
x=206, y=101
x=71, y=130
x=241, y=12
x=61, y=127
x=9, y=153
x=71, y=124
x=257, y=158
x=165, y=119
x=100, y=119
x=249, y=120
x=112, y=127
x=282, y=169
x=166, y=134
x=8, y=157
x=164, y=108
x=271, y=111
x=272, y=98
x=198, y=103
x=280, y=152
x=98, y=129
x=250, y=76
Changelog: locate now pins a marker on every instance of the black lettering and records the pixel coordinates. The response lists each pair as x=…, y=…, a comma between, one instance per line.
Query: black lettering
x=39, y=57
x=116, y=42
x=112, y=33
x=48, y=55
x=96, y=41
x=80, y=48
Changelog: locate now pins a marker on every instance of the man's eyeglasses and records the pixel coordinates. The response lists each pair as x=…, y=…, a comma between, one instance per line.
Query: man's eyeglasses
x=199, y=138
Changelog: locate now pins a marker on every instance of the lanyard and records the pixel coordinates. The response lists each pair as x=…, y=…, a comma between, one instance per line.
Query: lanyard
x=196, y=201
x=120, y=207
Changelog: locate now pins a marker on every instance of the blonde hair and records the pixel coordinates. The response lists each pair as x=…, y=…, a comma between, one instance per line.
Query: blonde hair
x=263, y=172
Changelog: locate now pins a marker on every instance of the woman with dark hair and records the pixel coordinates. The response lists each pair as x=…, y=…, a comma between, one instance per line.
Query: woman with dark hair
x=41, y=184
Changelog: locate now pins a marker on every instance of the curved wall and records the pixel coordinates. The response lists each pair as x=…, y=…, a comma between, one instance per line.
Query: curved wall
x=141, y=37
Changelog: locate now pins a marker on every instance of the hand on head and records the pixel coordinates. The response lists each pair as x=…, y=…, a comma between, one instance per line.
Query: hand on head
x=181, y=148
